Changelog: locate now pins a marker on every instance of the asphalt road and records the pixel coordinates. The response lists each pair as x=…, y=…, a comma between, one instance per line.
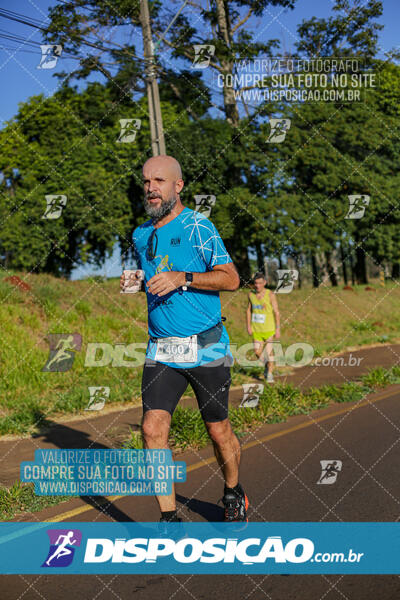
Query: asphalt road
x=280, y=470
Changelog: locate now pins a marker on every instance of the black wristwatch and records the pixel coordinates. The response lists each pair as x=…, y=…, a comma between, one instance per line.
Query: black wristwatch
x=188, y=280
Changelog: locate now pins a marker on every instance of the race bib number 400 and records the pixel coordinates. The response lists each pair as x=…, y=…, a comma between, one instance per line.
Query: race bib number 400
x=258, y=318
x=176, y=349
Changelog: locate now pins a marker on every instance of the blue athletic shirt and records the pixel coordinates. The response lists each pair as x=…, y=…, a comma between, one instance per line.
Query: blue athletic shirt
x=188, y=243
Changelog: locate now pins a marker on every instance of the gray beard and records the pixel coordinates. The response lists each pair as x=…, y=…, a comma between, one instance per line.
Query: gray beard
x=158, y=213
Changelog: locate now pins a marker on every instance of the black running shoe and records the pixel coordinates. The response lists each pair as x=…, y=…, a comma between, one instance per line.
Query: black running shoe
x=236, y=506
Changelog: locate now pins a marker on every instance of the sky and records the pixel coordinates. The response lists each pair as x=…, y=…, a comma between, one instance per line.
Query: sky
x=21, y=78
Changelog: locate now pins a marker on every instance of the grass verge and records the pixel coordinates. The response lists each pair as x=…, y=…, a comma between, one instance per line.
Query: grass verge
x=21, y=498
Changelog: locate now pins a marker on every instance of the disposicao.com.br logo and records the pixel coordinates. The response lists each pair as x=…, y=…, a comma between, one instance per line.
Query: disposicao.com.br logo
x=213, y=550
x=194, y=548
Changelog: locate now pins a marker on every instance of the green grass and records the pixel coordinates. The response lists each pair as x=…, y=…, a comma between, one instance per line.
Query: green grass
x=380, y=377
x=21, y=497
x=362, y=326
x=329, y=319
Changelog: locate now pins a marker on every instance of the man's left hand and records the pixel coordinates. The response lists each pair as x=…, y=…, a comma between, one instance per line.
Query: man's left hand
x=165, y=282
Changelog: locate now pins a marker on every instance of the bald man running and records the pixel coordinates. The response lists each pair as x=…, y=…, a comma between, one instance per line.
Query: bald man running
x=186, y=265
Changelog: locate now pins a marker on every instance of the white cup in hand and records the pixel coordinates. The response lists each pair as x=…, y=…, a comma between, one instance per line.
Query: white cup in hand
x=132, y=281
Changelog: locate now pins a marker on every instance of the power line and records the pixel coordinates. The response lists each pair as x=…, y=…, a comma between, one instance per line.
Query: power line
x=31, y=24
x=16, y=38
x=24, y=19
x=27, y=42
x=15, y=48
x=20, y=16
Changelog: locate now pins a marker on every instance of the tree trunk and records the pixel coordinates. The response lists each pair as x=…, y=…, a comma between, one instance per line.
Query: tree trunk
x=314, y=267
x=260, y=258
x=353, y=272
x=297, y=262
x=243, y=267
x=330, y=269
x=241, y=261
x=344, y=266
x=396, y=270
x=361, y=266
x=231, y=109
x=321, y=262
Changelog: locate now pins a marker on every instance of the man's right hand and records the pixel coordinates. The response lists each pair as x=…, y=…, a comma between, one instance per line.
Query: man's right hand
x=249, y=330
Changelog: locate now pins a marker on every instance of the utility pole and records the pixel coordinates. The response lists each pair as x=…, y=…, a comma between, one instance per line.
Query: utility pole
x=156, y=126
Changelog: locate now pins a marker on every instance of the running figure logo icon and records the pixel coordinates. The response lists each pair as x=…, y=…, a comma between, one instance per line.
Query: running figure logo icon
x=357, y=206
x=98, y=397
x=251, y=394
x=279, y=129
x=129, y=129
x=55, y=204
x=62, y=351
x=329, y=471
x=50, y=55
x=286, y=279
x=202, y=55
x=204, y=204
x=62, y=547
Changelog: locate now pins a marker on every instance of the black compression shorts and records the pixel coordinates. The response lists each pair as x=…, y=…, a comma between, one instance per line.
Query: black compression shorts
x=163, y=386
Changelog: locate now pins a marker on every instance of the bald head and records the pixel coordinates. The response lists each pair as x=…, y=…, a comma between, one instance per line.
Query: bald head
x=165, y=164
x=162, y=183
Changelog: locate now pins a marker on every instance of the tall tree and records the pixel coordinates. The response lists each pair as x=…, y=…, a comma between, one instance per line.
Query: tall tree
x=225, y=25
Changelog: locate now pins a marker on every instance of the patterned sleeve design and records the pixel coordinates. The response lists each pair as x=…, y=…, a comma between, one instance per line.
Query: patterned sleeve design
x=205, y=238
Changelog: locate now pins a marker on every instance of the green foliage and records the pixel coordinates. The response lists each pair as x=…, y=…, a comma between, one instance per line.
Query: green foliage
x=361, y=326
x=333, y=151
x=395, y=374
x=83, y=308
x=134, y=441
x=58, y=145
x=21, y=497
x=378, y=377
x=10, y=294
x=188, y=429
x=29, y=397
x=351, y=31
x=348, y=392
x=47, y=297
x=28, y=414
x=96, y=279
